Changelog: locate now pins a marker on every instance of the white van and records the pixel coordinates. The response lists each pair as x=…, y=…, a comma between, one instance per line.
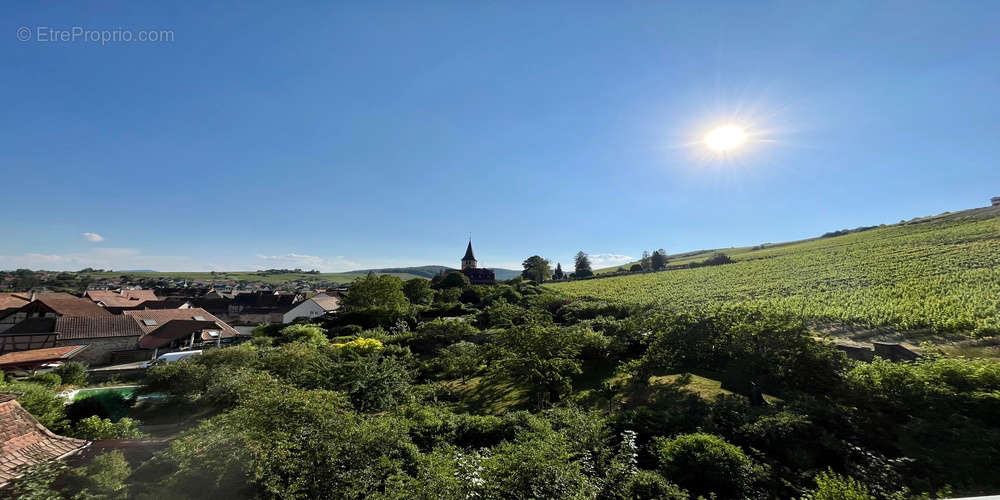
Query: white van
x=171, y=357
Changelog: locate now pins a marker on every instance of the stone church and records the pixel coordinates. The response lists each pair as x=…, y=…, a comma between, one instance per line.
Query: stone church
x=476, y=275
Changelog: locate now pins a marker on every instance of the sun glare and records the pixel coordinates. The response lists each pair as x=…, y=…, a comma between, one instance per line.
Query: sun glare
x=726, y=138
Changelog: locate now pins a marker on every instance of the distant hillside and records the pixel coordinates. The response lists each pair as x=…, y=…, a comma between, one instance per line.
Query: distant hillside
x=430, y=271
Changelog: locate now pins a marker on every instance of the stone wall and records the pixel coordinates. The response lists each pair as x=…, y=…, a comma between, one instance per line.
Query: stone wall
x=100, y=349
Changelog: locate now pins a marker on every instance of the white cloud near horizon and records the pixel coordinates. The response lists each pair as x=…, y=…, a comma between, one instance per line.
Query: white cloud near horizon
x=93, y=237
x=97, y=258
x=599, y=260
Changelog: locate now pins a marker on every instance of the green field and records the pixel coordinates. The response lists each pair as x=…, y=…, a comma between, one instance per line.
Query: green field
x=939, y=274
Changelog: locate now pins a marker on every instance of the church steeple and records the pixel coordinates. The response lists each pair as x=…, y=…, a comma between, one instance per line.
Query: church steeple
x=469, y=261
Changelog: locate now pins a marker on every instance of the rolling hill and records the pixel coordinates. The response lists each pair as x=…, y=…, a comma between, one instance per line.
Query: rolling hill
x=345, y=277
x=430, y=271
x=939, y=275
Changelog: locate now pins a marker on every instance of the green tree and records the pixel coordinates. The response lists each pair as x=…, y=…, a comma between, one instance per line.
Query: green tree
x=582, y=265
x=545, y=358
x=558, y=273
x=418, y=291
x=380, y=292
x=537, y=466
x=501, y=314
x=658, y=260
x=536, y=269
x=459, y=360
x=72, y=373
x=40, y=401
x=454, y=279
x=95, y=428
x=706, y=463
x=293, y=444
x=646, y=261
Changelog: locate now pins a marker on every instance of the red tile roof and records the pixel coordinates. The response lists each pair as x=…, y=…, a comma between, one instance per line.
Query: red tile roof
x=65, y=304
x=70, y=327
x=151, y=319
x=124, y=298
x=12, y=300
x=80, y=327
x=25, y=442
x=37, y=356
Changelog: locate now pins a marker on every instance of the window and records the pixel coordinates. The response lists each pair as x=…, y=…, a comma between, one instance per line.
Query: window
x=199, y=318
x=149, y=322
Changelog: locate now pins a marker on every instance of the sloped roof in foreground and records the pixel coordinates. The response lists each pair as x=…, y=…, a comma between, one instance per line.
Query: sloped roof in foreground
x=25, y=442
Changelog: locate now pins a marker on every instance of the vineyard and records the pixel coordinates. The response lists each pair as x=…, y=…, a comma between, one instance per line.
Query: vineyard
x=940, y=275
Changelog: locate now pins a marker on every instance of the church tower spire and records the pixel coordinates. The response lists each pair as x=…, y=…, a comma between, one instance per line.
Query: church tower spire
x=469, y=261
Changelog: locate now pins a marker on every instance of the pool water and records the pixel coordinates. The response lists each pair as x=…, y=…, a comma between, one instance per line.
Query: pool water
x=125, y=392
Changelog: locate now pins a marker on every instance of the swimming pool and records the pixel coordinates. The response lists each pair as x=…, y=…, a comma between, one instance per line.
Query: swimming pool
x=126, y=391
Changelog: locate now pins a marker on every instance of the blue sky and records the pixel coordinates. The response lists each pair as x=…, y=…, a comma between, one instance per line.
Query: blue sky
x=371, y=134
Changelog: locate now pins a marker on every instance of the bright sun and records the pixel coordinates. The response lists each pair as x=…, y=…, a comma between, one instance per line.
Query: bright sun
x=725, y=138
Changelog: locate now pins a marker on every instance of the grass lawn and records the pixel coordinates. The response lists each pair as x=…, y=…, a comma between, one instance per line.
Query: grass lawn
x=488, y=396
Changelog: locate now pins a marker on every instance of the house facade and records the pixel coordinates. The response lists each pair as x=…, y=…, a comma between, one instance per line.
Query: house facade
x=314, y=307
x=104, y=337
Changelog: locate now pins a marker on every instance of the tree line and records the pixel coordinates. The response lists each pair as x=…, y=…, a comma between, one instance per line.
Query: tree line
x=539, y=269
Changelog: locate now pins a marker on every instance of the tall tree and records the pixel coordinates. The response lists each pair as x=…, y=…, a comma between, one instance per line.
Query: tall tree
x=558, y=274
x=536, y=269
x=583, y=269
x=376, y=292
x=418, y=291
x=659, y=259
x=647, y=261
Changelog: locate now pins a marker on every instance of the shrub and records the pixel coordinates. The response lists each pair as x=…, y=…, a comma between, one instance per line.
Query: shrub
x=72, y=373
x=471, y=295
x=295, y=445
x=362, y=345
x=95, y=428
x=459, y=360
x=706, y=463
x=648, y=484
x=50, y=380
x=432, y=335
x=540, y=466
x=831, y=486
x=346, y=331
x=40, y=401
x=501, y=314
x=309, y=334
x=182, y=379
